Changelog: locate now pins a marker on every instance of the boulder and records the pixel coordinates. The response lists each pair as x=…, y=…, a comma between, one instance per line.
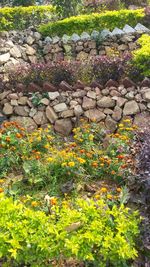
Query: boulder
x=63, y=126
x=146, y=96
x=110, y=124
x=88, y=103
x=4, y=58
x=94, y=115
x=40, y=118
x=8, y=109
x=60, y=107
x=26, y=122
x=51, y=115
x=21, y=111
x=53, y=95
x=131, y=108
x=15, y=52
x=106, y=102
x=78, y=111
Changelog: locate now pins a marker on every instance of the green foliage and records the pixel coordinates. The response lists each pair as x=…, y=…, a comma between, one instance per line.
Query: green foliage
x=95, y=21
x=142, y=55
x=24, y=2
x=23, y=17
x=86, y=230
x=67, y=8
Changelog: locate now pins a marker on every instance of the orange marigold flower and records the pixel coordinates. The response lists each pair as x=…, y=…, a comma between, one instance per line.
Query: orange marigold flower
x=118, y=189
x=124, y=166
x=109, y=197
x=7, y=138
x=113, y=172
x=82, y=151
x=120, y=156
x=1, y=190
x=94, y=164
x=53, y=201
x=18, y=135
x=34, y=203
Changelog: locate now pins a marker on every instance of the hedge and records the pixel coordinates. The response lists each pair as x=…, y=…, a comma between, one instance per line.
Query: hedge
x=23, y=17
x=141, y=57
x=95, y=21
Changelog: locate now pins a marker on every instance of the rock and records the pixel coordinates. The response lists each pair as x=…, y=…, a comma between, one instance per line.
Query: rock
x=37, y=36
x=111, y=83
x=21, y=111
x=82, y=56
x=26, y=122
x=94, y=115
x=30, y=51
x=53, y=95
x=117, y=114
x=91, y=94
x=4, y=58
x=67, y=113
x=110, y=124
x=145, y=82
x=8, y=109
x=63, y=126
x=79, y=94
x=85, y=36
x=15, y=52
x=88, y=103
x=65, y=86
x=29, y=40
x=48, y=87
x=117, y=31
x=105, y=33
x=51, y=115
x=75, y=37
x=121, y=101
x=40, y=118
x=32, y=112
x=48, y=40
x=142, y=120
x=78, y=111
x=146, y=96
x=131, y=108
x=23, y=100
x=32, y=87
x=55, y=40
x=4, y=94
x=128, y=29
x=13, y=96
x=65, y=38
x=128, y=83
x=108, y=111
x=106, y=102
x=94, y=34
x=105, y=92
x=14, y=102
x=141, y=28
x=60, y=107
x=2, y=118
x=44, y=101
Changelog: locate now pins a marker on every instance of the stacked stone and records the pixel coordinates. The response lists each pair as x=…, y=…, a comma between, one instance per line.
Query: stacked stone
x=22, y=47
x=63, y=109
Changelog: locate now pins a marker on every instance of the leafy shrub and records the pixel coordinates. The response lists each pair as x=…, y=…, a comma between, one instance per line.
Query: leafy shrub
x=54, y=72
x=84, y=230
x=23, y=17
x=67, y=8
x=95, y=21
x=141, y=57
x=105, y=68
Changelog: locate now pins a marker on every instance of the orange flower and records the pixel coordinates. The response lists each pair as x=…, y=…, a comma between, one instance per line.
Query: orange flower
x=34, y=204
x=1, y=190
x=113, y=172
x=94, y=164
x=82, y=151
x=53, y=201
x=7, y=138
x=89, y=155
x=124, y=166
x=120, y=156
x=18, y=135
x=118, y=189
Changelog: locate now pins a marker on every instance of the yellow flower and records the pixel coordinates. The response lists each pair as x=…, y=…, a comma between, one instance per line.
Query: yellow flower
x=46, y=146
x=121, y=125
x=64, y=164
x=50, y=159
x=38, y=138
x=109, y=196
x=82, y=161
x=103, y=190
x=91, y=137
x=71, y=164
x=127, y=120
x=53, y=201
x=2, y=181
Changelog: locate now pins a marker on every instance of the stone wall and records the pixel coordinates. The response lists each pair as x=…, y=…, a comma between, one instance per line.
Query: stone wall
x=63, y=109
x=29, y=46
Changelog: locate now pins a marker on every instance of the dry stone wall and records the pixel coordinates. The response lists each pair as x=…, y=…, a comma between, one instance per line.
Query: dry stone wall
x=63, y=109
x=29, y=47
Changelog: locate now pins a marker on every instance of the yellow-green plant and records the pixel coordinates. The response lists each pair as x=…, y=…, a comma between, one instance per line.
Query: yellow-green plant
x=95, y=21
x=86, y=230
x=23, y=17
x=141, y=57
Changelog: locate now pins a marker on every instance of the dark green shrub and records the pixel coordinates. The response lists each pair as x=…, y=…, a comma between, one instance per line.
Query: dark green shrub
x=23, y=17
x=95, y=21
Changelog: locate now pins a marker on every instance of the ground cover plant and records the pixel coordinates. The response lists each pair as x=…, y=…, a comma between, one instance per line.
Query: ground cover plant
x=45, y=215
x=95, y=21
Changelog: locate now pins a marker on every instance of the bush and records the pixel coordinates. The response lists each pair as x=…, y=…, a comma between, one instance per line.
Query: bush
x=23, y=17
x=84, y=230
x=141, y=57
x=95, y=21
